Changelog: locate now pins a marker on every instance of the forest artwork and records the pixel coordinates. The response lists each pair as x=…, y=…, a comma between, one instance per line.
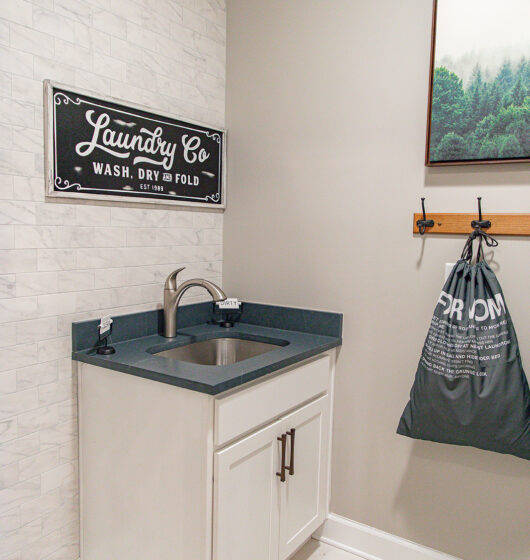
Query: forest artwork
x=479, y=109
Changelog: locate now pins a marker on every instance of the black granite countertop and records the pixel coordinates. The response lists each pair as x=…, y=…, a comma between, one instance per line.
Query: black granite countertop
x=301, y=333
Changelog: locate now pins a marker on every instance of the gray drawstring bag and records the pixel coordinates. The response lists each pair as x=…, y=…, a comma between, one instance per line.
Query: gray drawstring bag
x=470, y=386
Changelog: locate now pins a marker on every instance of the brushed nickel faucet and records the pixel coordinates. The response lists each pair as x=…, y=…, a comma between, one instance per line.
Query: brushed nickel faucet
x=173, y=295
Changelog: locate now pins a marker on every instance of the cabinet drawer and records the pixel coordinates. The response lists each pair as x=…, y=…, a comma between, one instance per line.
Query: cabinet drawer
x=240, y=412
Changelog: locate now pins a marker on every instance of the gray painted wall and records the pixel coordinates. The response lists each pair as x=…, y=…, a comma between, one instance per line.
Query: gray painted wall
x=326, y=110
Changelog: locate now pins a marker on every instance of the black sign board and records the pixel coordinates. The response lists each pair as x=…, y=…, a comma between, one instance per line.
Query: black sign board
x=101, y=148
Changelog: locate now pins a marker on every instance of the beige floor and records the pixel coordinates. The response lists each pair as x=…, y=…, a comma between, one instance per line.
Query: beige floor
x=315, y=550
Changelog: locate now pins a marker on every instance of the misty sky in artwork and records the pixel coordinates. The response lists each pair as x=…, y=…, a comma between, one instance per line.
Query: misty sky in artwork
x=485, y=32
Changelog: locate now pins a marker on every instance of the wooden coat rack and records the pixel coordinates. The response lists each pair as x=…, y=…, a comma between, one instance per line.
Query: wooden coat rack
x=449, y=223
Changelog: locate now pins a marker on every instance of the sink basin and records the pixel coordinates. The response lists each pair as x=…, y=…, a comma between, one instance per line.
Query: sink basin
x=218, y=351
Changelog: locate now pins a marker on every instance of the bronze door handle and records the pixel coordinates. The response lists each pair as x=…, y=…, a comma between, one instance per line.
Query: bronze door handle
x=281, y=474
x=291, y=433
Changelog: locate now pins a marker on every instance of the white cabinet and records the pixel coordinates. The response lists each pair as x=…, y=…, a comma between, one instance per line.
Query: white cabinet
x=303, y=495
x=246, y=498
x=260, y=513
x=173, y=474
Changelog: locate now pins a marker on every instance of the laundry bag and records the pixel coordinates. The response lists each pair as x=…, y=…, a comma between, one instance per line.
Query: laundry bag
x=470, y=386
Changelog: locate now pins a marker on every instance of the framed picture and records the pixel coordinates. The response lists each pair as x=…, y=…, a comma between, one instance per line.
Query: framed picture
x=97, y=147
x=479, y=91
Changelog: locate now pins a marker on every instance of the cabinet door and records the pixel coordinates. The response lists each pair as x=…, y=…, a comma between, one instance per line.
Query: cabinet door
x=246, y=497
x=303, y=499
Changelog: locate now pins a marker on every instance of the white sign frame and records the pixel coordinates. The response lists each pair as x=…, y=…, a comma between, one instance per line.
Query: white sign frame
x=49, y=163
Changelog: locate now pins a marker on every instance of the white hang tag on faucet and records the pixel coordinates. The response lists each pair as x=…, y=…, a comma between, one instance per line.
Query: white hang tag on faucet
x=104, y=325
x=229, y=303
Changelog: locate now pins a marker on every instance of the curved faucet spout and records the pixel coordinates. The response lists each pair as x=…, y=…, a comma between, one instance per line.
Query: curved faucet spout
x=173, y=295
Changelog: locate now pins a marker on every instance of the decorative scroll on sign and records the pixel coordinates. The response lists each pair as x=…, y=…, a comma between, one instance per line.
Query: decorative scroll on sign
x=100, y=148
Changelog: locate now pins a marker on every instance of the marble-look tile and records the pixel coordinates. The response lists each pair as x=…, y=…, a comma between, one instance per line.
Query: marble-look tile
x=9, y=335
x=19, y=493
x=75, y=280
x=9, y=521
x=7, y=237
x=87, y=215
x=109, y=67
x=75, y=236
x=45, y=68
x=16, y=62
x=74, y=9
x=57, y=477
x=17, y=11
x=8, y=382
x=55, y=214
x=30, y=40
x=13, y=260
x=129, y=9
x=4, y=33
x=9, y=475
x=56, y=259
x=56, y=304
x=62, y=390
x=6, y=81
x=38, y=464
x=28, y=139
x=36, y=330
x=59, y=434
x=8, y=429
x=35, y=283
x=28, y=188
x=27, y=89
x=40, y=506
x=109, y=277
x=97, y=41
x=91, y=81
x=18, y=539
x=136, y=217
x=109, y=23
x=37, y=374
x=17, y=212
x=13, y=162
x=15, y=403
x=6, y=136
x=19, y=449
x=18, y=309
x=53, y=23
x=19, y=356
x=35, y=237
x=38, y=420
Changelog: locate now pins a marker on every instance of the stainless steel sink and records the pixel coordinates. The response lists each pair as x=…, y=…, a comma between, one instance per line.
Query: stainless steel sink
x=218, y=351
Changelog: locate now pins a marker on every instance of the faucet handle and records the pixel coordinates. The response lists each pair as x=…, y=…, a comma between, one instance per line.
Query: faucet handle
x=171, y=280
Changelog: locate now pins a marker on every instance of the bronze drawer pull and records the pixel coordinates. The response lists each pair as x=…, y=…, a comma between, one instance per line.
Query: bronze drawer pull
x=281, y=474
x=291, y=433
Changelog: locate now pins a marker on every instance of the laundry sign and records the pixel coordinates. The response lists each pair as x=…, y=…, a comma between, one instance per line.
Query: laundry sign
x=100, y=148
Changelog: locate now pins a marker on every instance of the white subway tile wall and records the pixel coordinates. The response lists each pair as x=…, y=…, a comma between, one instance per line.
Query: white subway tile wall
x=63, y=262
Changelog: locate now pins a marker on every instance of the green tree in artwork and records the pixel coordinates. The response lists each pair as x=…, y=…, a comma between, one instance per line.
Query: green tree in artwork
x=447, y=104
x=510, y=147
x=489, y=119
x=452, y=147
x=519, y=92
x=488, y=150
x=505, y=77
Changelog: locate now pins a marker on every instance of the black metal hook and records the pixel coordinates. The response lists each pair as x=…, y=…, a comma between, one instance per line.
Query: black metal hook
x=480, y=223
x=424, y=223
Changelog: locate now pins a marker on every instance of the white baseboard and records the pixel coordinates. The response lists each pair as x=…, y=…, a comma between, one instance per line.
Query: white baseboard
x=372, y=544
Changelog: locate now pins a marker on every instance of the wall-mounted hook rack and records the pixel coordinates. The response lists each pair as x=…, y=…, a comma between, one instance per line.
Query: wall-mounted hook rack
x=480, y=223
x=452, y=223
x=423, y=223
